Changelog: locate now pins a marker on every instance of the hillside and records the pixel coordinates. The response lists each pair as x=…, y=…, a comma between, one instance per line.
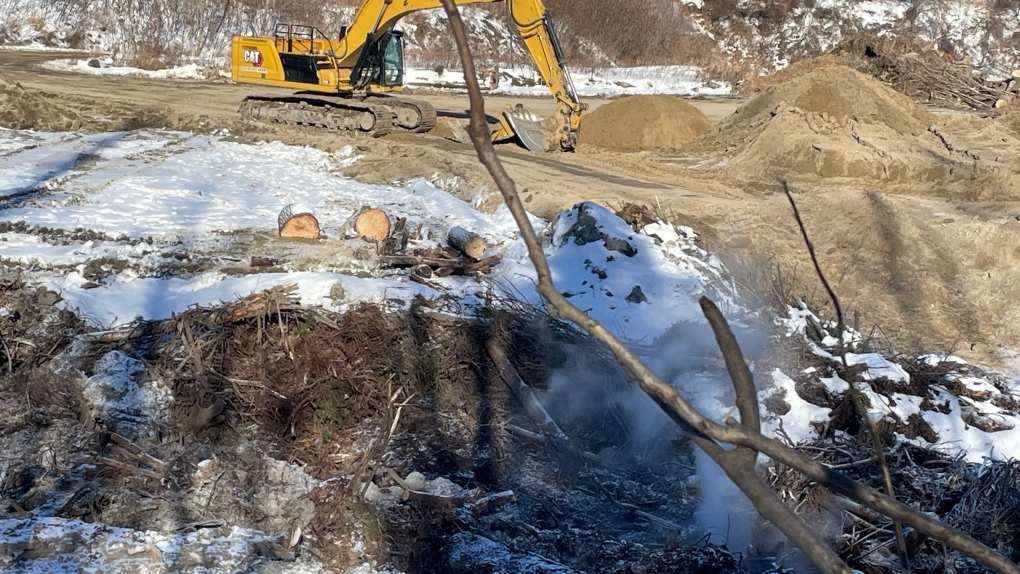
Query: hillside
x=732, y=38
x=767, y=34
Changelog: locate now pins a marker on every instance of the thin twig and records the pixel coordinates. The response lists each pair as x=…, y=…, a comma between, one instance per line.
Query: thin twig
x=856, y=397
x=7, y=353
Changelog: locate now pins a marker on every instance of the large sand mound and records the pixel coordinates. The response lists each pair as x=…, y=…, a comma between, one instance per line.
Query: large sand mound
x=843, y=94
x=24, y=110
x=644, y=123
x=835, y=122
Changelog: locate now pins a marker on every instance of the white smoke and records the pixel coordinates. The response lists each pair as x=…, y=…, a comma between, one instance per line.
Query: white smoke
x=688, y=358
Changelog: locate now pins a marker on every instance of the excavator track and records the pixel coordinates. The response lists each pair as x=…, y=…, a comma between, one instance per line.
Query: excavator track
x=373, y=115
x=334, y=114
x=412, y=115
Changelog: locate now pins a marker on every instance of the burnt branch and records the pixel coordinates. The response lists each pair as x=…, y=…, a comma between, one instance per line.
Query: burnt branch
x=706, y=433
x=740, y=374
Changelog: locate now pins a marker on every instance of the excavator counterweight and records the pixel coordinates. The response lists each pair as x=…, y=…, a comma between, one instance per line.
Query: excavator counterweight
x=352, y=81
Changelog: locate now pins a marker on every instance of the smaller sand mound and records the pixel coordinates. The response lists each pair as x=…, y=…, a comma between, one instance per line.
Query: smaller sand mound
x=644, y=123
x=23, y=109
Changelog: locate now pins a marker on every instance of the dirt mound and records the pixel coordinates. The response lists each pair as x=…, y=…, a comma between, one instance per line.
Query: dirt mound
x=757, y=85
x=835, y=122
x=644, y=123
x=843, y=94
x=25, y=110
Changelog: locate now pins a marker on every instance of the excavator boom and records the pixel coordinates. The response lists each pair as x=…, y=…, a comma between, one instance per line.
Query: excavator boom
x=348, y=81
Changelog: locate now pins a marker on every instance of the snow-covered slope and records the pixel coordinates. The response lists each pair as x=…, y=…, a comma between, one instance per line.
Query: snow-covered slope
x=982, y=31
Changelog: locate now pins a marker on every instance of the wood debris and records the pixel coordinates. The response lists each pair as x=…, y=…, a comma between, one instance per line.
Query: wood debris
x=139, y=463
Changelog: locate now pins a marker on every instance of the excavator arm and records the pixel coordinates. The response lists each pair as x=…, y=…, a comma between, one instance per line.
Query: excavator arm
x=377, y=17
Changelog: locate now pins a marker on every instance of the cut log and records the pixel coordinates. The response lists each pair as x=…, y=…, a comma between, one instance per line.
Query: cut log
x=369, y=223
x=467, y=243
x=259, y=261
x=297, y=220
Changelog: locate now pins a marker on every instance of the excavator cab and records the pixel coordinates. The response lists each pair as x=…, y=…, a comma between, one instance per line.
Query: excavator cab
x=389, y=66
x=381, y=64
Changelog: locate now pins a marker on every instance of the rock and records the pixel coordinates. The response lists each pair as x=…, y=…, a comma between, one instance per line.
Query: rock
x=585, y=230
x=637, y=295
x=416, y=481
x=95, y=63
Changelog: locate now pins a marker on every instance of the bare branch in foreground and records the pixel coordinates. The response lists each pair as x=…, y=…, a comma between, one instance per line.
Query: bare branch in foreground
x=737, y=463
x=855, y=392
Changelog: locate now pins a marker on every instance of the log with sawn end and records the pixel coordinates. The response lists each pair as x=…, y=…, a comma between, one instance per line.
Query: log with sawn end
x=368, y=223
x=296, y=220
x=470, y=244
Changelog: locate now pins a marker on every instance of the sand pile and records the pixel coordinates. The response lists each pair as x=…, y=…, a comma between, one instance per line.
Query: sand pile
x=755, y=86
x=842, y=94
x=835, y=122
x=643, y=123
x=26, y=110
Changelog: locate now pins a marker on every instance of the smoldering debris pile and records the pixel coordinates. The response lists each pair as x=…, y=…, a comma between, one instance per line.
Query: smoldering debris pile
x=979, y=499
x=949, y=432
x=643, y=123
x=262, y=435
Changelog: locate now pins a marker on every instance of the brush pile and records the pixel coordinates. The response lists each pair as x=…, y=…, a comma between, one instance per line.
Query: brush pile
x=921, y=71
x=979, y=499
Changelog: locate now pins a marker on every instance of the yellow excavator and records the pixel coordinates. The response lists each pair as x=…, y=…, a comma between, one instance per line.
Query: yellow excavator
x=351, y=81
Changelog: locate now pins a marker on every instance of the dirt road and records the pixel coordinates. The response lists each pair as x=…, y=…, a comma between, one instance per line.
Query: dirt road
x=218, y=101
x=932, y=268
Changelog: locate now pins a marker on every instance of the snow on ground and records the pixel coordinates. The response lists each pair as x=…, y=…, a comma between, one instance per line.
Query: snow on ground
x=37, y=47
x=148, y=190
x=72, y=545
x=973, y=421
x=105, y=67
x=678, y=80
x=606, y=82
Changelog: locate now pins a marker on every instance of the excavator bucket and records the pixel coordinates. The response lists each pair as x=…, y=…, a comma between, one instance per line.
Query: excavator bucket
x=537, y=134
